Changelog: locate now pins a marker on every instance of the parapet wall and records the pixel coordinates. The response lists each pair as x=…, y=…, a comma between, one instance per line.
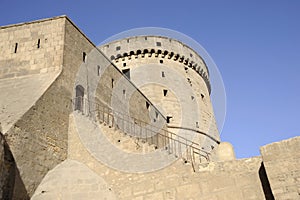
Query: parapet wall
x=282, y=161
x=31, y=48
x=157, y=46
x=237, y=179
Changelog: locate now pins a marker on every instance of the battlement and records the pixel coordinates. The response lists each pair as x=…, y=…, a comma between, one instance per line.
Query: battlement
x=160, y=47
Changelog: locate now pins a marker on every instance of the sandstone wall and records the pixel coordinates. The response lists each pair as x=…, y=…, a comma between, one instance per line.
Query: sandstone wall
x=39, y=137
x=38, y=140
x=31, y=48
x=239, y=179
x=282, y=161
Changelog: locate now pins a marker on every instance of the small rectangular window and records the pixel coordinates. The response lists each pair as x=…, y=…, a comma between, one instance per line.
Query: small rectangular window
x=16, y=47
x=39, y=43
x=158, y=44
x=124, y=64
x=112, y=83
x=118, y=48
x=165, y=92
x=161, y=61
x=83, y=56
x=169, y=119
x=162, y=74
x=126, y=72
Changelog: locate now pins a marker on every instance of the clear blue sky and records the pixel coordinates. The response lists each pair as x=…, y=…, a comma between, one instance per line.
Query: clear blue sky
x=255, y=44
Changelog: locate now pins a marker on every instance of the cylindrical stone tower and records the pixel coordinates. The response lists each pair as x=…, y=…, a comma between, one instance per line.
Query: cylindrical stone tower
x=174, y=78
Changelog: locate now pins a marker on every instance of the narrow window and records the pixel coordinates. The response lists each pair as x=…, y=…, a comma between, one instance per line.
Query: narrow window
x=127, y=40
x=165, y=92
x=192, y=97
x=83, y=56
x=163, y=74
x=124, y=92
x=126, y=72
x=156, y=114
x=118, y=48
x=147, y=105
x=39, y=43
x=146, y=38
x=158, y=44
x=202, y=95
x=16, y=47
x=98, y=70
x=161, y=61
x=197, y=125
x=124, y=64
x=112, y=83
x=169, y=119
x=191, y=55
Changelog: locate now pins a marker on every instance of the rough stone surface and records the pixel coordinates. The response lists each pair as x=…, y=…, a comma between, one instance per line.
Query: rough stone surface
x=282, y=163
x=40, y=128
x=238, y=179
x=20, y=94
x=223, y=152
x=73, y=180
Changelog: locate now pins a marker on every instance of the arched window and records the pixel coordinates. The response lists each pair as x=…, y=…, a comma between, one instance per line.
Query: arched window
x=79, y=98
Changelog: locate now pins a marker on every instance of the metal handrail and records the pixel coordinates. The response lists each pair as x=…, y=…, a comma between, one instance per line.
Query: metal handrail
x=170, y=141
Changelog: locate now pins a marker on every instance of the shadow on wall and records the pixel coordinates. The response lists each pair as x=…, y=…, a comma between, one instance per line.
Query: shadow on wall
x=11, y=184
x=265, y=183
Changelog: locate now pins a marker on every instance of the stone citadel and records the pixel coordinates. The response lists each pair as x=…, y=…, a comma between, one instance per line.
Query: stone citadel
x=130, y=120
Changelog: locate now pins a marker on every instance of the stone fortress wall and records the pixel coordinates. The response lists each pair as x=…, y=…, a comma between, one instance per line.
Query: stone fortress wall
x=36, y=129
x=31, y=48
x=41, y=148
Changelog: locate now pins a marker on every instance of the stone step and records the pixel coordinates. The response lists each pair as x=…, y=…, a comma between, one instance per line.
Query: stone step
x=131, y=144
x=125, y=141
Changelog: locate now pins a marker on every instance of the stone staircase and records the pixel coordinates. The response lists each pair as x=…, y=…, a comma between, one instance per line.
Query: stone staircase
x=126, y=142
x=166, y=145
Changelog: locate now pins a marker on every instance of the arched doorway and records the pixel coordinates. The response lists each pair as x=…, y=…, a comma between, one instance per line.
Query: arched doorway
x=79, y=98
